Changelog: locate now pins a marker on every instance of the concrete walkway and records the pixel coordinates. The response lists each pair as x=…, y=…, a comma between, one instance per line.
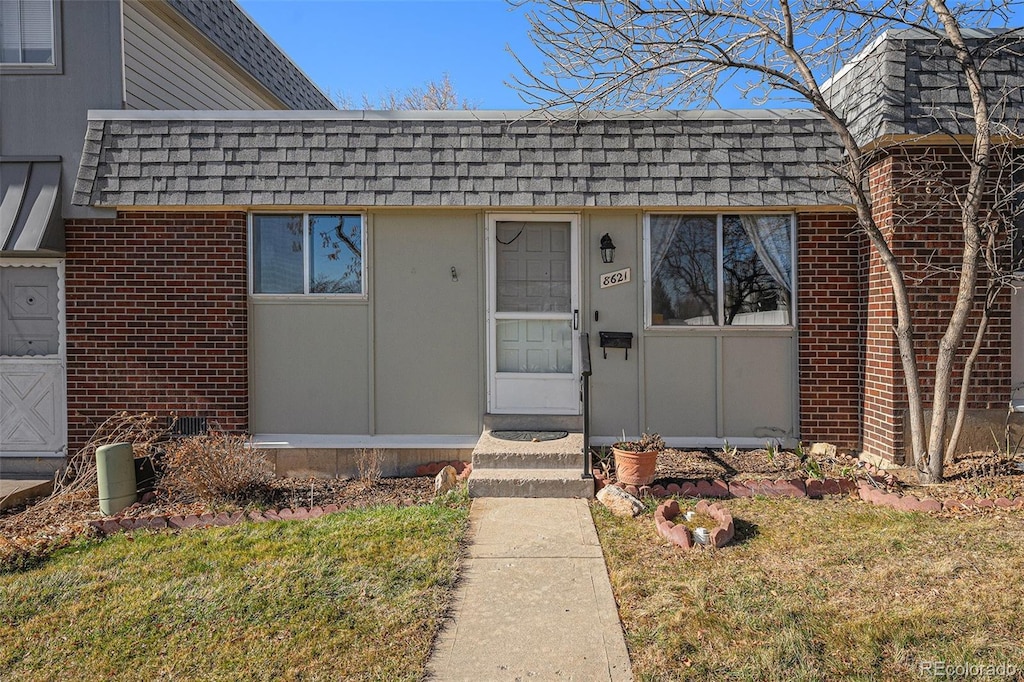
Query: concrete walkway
x=534, y=601
x=15, y=489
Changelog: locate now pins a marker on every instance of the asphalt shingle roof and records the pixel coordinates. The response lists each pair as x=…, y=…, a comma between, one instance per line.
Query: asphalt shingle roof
x=728, y=159
x=231, y=29
x=908, y=83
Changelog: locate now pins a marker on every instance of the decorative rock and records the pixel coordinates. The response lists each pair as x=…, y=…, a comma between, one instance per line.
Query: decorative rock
x=688, y=489
x=672, y=489
x=620, y=502
x=986, y=504
x=823, y=450
x=331, y=509
x=1005, y=503
x=157, y=523
x=316, y=512
x=110, y=526
x=446, y=479
x=929, y=506
x=658, y=491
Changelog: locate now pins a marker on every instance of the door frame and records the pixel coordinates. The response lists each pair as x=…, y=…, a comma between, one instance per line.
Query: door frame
x=576, y=290
x=59, y=359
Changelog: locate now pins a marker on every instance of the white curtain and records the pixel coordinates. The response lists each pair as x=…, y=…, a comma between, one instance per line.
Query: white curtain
x=771, y=239
x=663, y=235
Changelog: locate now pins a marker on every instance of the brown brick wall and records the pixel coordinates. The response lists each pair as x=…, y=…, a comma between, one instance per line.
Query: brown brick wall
x=915, y=202
x=830, y=317
x=157, y=318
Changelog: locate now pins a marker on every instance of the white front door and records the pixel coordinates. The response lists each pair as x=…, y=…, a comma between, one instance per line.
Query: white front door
x=533, y=313
x=33, y=402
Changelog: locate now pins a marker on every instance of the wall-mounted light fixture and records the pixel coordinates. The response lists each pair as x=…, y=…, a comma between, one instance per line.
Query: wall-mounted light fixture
x=607, y=249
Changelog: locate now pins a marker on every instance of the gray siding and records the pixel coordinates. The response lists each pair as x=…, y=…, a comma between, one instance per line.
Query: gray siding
x=45, y=114
x=313, y=370
x=428, y=365
x=309, y=368
x=231, y=29
x=615, y=383
x=164, y=69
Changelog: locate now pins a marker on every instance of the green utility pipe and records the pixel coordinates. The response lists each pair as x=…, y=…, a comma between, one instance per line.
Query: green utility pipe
x=115, y=471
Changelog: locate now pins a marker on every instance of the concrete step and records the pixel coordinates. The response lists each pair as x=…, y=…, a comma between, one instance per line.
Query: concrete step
x=533, y=422
x=564, y=453
x=530, y=483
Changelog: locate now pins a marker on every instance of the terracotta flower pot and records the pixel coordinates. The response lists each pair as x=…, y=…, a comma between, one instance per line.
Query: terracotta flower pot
x=635, y=468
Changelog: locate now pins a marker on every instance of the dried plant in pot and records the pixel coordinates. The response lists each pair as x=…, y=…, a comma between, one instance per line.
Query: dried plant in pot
x=636, y=460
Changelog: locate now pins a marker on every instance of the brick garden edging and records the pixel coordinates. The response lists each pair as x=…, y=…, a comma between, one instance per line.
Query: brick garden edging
x=719, y=536
x=178, y=522
x=880, y=497
x=719, y=489
x=810, y=488
x=113, y=525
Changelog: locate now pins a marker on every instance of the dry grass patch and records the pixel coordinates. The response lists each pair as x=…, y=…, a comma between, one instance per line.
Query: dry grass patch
x=354, y=596
x=816, y=590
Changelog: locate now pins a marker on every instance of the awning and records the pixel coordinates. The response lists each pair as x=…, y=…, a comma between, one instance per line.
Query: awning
x=30, y=206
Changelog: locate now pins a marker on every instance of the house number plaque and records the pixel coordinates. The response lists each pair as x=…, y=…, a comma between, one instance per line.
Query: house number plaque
x=610, y=279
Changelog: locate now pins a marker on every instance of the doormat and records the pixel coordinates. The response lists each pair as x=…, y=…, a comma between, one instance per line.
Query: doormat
x=529, y=436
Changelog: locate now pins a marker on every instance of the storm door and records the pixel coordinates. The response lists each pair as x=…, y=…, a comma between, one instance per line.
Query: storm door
x=533, y=320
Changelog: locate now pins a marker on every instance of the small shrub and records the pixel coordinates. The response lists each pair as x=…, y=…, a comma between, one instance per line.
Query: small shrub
x=217, y=466
x=368, y=462
x=648, y=442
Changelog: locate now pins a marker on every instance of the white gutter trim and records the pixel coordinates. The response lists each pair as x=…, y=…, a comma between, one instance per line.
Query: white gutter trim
x=286, y=441
x=503, y=115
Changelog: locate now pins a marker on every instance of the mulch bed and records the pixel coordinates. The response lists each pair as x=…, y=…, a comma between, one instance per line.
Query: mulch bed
x=675, y=466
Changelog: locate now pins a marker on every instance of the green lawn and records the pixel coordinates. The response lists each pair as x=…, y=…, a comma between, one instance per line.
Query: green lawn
x=820, y=590
x=357, y=595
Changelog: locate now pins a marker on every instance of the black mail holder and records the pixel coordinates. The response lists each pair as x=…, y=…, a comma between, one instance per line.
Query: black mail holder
x=616, y=340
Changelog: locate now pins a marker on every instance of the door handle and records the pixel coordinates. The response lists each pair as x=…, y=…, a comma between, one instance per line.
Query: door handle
x=575, y=320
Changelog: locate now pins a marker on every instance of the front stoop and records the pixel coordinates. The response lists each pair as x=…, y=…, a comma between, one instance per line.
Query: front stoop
x=553, y=468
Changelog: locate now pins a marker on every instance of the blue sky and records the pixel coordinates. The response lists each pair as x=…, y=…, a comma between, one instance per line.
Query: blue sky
x=367, y=47
x=370, y=46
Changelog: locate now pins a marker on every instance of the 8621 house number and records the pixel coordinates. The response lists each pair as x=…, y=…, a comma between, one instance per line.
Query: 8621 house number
x=610, y=279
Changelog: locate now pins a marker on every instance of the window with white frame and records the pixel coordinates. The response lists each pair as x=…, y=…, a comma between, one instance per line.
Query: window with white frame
x=307, y=253
x=28, y=32
x=719, y=270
